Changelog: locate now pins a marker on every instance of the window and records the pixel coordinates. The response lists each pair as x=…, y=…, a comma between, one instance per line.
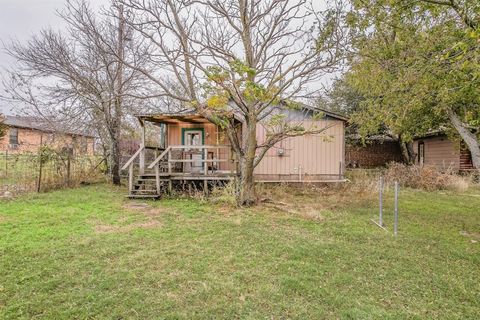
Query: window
x=83, y=145
x=13, y=136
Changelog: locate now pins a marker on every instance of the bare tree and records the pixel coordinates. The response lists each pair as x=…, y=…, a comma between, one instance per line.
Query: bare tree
x=77, y=76
x=242, y=58
x=3, y=128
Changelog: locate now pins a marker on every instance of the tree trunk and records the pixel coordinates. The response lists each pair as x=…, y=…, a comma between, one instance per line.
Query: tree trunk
x=468, y=137
x=408, y=154
x=411, y=153
x=117, y=119
x=115, y=161
x=246, y=184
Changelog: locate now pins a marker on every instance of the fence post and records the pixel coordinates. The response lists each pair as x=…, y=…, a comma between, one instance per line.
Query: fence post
x=68, y=169
x=395, y=222
x=39, y=183
x=6, y=163
x=380, y=220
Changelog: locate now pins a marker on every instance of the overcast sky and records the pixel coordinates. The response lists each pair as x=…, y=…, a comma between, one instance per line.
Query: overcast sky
x=20, y=19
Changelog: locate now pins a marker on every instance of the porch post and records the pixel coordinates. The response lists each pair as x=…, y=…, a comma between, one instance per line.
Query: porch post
x=205, y=170
x=130, y=178
x=169, y=163
x=142, y=146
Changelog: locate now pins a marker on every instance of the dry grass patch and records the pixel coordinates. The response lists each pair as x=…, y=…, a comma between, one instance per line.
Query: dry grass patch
x=312, y=202
x=427, y=178
x=144, y=208
x=140, y=211
x=109, y=228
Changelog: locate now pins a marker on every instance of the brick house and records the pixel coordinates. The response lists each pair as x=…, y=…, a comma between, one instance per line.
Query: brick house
x=377, y=151
x=27, y=134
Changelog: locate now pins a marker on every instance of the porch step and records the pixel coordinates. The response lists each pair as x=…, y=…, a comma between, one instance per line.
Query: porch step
x=151, y=179
x=144, y=190
x=143, y=196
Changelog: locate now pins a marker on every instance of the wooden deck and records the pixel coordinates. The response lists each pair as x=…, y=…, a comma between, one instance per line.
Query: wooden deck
x=159, y=176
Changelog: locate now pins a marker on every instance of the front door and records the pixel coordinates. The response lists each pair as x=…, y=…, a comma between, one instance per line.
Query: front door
x=193, y=137
x=421, y=153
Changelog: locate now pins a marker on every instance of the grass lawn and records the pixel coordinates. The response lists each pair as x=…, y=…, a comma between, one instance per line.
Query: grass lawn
x=90, y=253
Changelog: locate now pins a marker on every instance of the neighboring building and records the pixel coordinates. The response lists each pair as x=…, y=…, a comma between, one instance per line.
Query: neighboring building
x=437, y=150
x=188, y=139
x=27, y=134
x=375, y=151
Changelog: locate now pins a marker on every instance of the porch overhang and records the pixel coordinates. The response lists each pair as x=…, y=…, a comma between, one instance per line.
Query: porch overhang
x=174, y=118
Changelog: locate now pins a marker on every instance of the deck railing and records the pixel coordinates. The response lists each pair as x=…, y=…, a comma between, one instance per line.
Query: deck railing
x=167, y=158
x=139, y=155
x=170, y=160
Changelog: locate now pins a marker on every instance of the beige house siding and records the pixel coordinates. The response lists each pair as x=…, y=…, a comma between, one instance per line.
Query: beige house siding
x=440, y=152
x=307, y=158
x=212, y=136
x=317, y=157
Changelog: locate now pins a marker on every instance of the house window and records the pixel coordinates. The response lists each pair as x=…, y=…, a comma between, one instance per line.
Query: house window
x=13, y=136
x=421, y=153
x=83, y=145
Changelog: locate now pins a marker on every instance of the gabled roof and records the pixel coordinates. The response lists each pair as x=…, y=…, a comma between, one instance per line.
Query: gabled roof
x=41, y=124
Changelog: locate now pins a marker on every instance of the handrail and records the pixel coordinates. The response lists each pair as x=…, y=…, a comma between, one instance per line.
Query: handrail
x=200, y=147
x=154, y=163
x=130, y=161
x=169, y=148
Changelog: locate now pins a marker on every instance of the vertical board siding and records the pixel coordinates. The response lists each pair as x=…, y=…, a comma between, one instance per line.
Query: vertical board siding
x=174, y=138
x=319, y=154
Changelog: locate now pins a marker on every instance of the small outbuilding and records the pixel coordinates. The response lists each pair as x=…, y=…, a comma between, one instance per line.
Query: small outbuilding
x=438, y=150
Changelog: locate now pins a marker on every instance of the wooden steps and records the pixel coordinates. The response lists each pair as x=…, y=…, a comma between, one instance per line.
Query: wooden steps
x=144, y=185
x=144, y=196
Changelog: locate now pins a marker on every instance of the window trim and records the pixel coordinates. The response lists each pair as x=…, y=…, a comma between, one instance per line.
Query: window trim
x=10, y=136
x=421, y=153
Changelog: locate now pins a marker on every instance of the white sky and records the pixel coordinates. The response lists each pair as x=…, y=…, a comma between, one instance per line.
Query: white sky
x=20, y=19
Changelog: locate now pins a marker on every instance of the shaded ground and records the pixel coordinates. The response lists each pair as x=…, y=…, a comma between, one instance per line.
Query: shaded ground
x=305, y=254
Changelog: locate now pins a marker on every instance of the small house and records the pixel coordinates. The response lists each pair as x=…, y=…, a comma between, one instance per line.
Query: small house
x=190, y=148
x=28, y=134
x=438, y=150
